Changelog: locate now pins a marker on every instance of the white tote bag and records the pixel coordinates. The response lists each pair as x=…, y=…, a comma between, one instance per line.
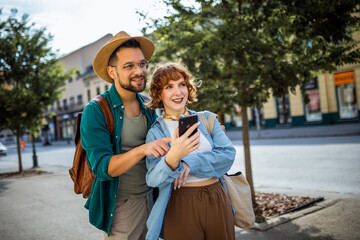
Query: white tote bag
x=240, y=197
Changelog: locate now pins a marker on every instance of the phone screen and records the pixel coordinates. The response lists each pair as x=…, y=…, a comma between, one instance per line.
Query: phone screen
x=186, y=122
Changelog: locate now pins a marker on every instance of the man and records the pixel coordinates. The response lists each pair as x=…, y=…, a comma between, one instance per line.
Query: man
x=119, y=199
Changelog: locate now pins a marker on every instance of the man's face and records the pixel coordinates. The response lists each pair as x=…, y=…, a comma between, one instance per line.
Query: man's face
x=130, y=75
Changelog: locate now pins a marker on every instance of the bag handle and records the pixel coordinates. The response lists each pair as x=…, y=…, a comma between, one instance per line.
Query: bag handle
x=209, y=123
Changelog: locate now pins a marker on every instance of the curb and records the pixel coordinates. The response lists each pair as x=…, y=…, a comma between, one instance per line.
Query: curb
x=308, y=136
x=16, y=175
x=297, y=136
x=290, y=216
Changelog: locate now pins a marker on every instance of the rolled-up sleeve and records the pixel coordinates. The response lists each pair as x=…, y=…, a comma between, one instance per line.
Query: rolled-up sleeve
x=96, y=140
x=159, y=173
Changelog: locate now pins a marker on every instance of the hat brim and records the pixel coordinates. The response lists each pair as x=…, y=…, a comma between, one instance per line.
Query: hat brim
x=101, y=59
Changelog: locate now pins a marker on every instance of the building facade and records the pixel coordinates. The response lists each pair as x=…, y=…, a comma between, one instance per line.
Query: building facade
x=61, y=117
x=333, y=99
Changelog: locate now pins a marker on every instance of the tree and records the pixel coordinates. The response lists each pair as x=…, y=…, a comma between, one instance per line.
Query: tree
x=30, y=75
x=252, y=49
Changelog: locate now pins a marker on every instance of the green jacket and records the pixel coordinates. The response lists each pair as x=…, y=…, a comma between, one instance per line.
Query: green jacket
x=100, y=147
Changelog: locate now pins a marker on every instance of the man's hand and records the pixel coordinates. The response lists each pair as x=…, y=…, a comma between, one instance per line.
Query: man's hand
x=223, y=127
x=158, y=148
x=121, y=163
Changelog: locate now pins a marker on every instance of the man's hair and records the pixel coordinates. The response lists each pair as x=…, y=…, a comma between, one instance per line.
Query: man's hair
x=132, y=43
x=161, y=77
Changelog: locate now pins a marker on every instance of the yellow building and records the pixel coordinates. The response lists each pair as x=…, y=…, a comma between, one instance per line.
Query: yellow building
x=334, y=98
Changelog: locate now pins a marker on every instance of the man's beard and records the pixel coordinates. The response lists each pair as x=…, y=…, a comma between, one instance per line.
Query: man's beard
x=132, y=88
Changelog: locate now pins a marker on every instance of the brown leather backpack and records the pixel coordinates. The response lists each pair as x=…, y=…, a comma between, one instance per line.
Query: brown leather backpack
x=80, y=172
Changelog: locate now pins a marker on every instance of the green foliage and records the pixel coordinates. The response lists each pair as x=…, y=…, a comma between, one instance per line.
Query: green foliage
x=243, y=51
x=31, y=78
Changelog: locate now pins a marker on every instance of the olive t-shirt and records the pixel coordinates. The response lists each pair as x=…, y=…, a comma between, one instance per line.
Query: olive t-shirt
x=132, y=184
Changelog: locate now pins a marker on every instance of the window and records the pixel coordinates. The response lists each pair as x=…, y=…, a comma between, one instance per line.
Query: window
x=97, y=90
x=347, y=101
x=72, y=101
x=88, y=95
x=283, y=109
x=79, y=99
x=313, y=108
x=88, y=70
x=65, y=104
x=346, y=95
x=106, y=87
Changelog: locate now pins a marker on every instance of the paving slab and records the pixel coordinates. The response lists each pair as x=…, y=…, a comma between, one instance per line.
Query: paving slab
x=45, y=207
x=338, y=221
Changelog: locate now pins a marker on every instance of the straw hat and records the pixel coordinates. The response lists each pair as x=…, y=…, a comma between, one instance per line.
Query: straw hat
x=102, y=57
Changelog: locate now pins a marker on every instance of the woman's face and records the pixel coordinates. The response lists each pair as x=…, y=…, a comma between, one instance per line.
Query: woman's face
x=174, y=96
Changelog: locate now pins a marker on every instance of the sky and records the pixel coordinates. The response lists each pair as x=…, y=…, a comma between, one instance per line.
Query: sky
x=76, y=23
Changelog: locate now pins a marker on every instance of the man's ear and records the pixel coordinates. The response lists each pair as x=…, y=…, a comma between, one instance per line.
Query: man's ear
x=111, y=71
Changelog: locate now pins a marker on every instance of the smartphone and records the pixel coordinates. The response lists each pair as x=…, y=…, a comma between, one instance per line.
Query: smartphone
x=186, y=122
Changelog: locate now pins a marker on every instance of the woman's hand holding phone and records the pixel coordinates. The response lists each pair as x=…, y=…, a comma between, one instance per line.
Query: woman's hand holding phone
x=182, y=146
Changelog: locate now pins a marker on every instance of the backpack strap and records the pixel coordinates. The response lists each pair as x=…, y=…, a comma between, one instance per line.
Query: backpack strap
x=107, y=112
x=209, y=123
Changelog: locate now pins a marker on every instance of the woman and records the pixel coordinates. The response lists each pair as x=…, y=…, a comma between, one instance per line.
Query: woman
x=200, y=209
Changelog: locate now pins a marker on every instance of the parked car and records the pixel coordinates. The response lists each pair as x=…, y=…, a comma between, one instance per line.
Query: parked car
x=3, y=150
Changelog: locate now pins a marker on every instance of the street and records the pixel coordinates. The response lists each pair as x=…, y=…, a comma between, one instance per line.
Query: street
x=56, y=157
x=322, y=166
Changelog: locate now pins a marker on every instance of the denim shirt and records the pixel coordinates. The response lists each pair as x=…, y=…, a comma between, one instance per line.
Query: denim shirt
x=100, y=147
x=213, y=163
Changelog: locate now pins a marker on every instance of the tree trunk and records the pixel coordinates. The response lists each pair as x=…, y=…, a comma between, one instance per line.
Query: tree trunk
x=246, y=143
x=19, y=151
x=35, y=162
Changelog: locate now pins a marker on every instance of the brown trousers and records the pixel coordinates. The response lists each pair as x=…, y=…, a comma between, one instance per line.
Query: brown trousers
x=199, y=213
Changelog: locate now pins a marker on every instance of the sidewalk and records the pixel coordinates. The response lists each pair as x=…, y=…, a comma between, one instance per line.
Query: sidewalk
x=346, y=129
x=44, y=207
